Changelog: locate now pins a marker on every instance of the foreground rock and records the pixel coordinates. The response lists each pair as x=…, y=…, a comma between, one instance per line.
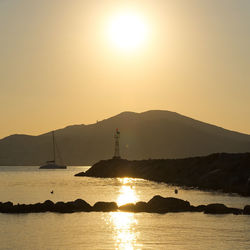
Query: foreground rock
x=246, y=210
x=218, y=208
x=157, y=204
x=163, y=205
x=48, y=206
x=102, y=206
x=140, y=206
x=225, y=172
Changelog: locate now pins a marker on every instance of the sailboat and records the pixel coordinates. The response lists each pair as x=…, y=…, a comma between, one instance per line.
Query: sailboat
x=52, y=164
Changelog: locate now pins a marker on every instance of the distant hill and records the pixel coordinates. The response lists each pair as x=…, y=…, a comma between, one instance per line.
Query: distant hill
x=153, y=134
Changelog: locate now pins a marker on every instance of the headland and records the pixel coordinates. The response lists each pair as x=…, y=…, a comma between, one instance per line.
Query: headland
x=223, y=172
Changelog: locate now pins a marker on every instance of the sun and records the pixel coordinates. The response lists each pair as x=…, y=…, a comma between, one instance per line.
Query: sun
x=127, y=31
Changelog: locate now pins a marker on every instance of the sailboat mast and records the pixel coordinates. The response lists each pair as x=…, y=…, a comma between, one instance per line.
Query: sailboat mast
x=54, y=151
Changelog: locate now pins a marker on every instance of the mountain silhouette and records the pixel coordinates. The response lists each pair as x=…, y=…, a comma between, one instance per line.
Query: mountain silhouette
x=152, y=134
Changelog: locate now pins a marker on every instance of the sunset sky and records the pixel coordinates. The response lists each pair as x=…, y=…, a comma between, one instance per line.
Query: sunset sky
x=73, y=62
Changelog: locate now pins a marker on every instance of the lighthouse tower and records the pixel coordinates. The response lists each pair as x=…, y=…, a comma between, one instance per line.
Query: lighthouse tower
x=117, y=147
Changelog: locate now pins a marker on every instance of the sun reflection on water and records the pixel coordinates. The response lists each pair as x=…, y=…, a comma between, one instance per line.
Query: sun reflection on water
x=127, y=192
x=125, y=234
x=124, y=224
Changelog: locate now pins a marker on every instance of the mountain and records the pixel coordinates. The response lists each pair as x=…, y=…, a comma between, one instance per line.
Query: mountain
x=153, y=134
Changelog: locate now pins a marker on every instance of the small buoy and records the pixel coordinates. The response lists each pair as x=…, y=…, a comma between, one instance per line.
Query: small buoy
x=176, y=191
x=52, y=192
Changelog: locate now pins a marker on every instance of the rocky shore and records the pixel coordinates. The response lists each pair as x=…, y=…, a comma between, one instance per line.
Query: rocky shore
x=157, y=204
x=224, y=172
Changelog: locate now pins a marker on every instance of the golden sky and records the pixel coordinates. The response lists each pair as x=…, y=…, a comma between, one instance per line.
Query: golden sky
x=72, y=62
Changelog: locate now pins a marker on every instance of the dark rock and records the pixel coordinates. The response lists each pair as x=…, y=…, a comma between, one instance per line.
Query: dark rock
x=81, y=205
x=6, y=207
x=141, y=206
x=200, y=208
x=80, y=174
x=38, y=208
x=102, y=206
x=160, y=204
x=157, y=204
x=21, y=208
x=49, y=205
x=246, y=209
x=7, y=204
x=236, y=211
x=61, y=207
x=129, y=207
x=72, y=206
x=217, y=208
x=193, y=209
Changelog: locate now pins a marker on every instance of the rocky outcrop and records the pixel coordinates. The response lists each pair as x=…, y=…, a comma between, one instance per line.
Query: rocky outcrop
x=224, y=172
x=157, y=204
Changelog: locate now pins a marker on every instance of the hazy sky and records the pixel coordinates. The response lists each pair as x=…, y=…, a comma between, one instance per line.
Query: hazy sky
x=59, y=66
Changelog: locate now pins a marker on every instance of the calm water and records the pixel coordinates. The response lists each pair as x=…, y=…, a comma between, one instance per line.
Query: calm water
x=112, y=230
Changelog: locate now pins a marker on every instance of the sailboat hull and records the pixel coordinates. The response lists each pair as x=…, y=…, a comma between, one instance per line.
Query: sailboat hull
x=52, y=166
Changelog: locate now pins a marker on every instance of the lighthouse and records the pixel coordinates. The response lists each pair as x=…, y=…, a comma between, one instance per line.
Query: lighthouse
x=117, y=146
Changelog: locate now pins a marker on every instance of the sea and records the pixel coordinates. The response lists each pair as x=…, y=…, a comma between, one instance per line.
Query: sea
x=114, y=230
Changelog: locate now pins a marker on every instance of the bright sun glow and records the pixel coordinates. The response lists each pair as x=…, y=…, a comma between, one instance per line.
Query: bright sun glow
x=127, y=192
x=127, y=31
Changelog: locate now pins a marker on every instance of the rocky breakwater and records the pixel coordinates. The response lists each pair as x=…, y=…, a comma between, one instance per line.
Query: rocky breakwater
x=221, y=172
x=78, y=205
x=157, y=204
